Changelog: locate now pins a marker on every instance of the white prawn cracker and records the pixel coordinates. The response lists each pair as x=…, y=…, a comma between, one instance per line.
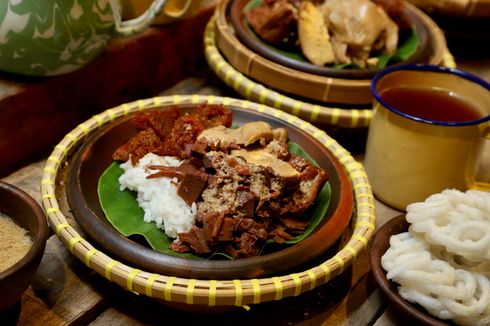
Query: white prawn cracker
x=443, y=262
x=443, y=290
x=458, y=221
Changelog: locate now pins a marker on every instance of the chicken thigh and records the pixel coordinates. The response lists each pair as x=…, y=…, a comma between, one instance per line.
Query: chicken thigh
x=357, y=27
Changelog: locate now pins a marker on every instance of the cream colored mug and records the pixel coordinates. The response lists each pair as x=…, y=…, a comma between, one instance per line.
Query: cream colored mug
x=427, y=132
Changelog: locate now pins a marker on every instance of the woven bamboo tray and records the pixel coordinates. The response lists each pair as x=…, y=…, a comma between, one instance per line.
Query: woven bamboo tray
x=320, y=114
x=193, y=291
x=466, y=8
x=311, y=86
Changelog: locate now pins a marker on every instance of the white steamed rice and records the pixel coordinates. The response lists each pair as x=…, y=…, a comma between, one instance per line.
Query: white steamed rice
x=158, y=197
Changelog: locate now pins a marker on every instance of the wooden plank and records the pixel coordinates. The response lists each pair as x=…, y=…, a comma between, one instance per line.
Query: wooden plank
x=28, y=179
x=64, y=291
x=112, y=317
x=391, y=317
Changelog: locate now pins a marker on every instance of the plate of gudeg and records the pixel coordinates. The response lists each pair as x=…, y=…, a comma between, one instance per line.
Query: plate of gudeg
x=215, y=227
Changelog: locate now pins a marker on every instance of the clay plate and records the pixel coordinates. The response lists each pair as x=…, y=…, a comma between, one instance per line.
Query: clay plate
x=95, y=156
x=244, y=33
x=379, y=245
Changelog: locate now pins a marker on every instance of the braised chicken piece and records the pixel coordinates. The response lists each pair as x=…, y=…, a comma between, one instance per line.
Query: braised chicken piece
x=357, y=27
x=245, y=135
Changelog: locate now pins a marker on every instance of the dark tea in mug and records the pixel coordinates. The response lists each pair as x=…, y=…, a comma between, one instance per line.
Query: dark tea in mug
x=427, y=133
x=430, y=104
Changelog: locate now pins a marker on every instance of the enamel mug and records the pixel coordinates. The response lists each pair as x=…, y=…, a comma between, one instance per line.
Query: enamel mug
x=427, y=134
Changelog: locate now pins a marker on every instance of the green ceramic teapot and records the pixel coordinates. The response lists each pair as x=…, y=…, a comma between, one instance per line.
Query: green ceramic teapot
x=52, y=37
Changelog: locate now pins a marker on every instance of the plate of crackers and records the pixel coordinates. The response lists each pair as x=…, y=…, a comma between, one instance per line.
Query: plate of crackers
x=432, y=263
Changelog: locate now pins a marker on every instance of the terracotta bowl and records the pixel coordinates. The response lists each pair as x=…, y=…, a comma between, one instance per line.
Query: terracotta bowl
x=25, y=211
x=246, y=35
x=380, y=243
x=95, y=156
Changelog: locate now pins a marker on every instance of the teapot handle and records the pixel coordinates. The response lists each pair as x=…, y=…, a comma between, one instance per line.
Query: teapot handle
x=140, y=23
x=177, y=13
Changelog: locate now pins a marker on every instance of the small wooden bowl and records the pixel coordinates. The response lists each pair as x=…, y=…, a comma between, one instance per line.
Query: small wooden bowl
x=238, y=21
x=379, y=245
x=25, y=211
x=96, y=155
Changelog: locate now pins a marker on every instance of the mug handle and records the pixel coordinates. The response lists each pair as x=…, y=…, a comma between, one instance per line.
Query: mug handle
x=482, y=185
x=140, y=23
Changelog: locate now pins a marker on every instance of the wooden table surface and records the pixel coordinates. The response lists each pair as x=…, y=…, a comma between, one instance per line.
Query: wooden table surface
x=66, y=292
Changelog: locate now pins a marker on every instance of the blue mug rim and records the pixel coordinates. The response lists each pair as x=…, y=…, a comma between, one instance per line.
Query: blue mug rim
x=432, y=68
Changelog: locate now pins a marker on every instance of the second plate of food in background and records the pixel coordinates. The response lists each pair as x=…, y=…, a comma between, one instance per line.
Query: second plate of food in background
x=313, y=87
x=412, y=44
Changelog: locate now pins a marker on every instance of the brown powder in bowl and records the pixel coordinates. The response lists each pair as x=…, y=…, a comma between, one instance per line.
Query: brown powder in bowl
x=15, y=242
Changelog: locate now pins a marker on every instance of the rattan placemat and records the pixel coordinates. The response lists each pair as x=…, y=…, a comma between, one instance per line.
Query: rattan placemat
x=236, y=292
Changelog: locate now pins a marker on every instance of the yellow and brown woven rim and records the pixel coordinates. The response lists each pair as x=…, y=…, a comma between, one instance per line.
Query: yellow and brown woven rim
x=236, y=292
x=316, y=113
